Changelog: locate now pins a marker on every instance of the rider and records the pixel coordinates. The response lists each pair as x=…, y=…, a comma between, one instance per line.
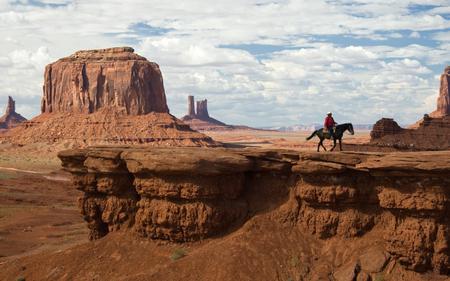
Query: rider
x=329, y=124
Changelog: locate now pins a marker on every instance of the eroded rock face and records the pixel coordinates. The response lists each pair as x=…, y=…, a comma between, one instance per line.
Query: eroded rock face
x=443, y=101
x=11, y=118
x=88, y=81
x=186, y=194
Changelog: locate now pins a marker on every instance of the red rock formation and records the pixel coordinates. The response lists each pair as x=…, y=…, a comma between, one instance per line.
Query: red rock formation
x=87, y=81
x=202, y=109
x=399, y=201
x=443, y=101
x=191, y=106
x=383, y=127
x=11, y=119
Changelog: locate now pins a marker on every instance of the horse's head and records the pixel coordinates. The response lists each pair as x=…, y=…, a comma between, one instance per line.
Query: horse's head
x=350, y=128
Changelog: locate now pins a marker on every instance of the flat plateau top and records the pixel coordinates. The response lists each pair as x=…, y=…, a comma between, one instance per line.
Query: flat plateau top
x=224, y=160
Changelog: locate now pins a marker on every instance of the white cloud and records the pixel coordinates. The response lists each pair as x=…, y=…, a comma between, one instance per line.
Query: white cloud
x=315, y=67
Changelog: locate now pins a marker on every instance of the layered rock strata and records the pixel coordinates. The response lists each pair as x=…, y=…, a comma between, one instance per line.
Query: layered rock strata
x=186, y=194
x=11, y=118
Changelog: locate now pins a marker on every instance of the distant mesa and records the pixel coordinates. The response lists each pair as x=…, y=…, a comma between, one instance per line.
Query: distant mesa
x=105, y=96
x=11, y=118
x=432, y=132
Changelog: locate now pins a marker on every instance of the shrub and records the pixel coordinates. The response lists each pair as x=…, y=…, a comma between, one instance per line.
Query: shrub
x=178, y=254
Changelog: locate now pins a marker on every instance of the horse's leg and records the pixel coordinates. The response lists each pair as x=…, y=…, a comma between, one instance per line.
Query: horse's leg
x=318, y=146
x=321, y=143
x=340, y=144
x=334, y=144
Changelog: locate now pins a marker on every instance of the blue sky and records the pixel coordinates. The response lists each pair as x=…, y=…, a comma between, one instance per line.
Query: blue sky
x=258, y=62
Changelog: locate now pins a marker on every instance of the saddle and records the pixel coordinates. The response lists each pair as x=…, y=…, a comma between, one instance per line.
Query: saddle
x=326, y=134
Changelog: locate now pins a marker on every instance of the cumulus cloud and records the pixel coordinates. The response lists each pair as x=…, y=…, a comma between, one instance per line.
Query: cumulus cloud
x=362, y=59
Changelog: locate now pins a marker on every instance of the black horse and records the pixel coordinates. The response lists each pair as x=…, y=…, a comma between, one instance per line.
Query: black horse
x=338, y=134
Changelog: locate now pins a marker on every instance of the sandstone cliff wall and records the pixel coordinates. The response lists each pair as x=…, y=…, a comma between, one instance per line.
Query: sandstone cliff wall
x=87, y=81
x=186, y=194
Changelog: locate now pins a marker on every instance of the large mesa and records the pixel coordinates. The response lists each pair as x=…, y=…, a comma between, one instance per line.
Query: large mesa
x=88, y=81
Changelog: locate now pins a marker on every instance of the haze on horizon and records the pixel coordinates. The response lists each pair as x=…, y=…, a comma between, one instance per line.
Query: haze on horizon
x=259, y=63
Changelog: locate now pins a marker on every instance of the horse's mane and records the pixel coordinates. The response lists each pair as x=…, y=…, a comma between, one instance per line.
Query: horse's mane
x=344, y=124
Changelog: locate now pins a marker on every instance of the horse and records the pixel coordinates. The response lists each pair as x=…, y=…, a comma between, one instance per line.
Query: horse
x=338, y=134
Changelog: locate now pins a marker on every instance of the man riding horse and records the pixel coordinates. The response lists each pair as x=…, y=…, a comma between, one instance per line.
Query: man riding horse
x=328, y=132
x=329, y=124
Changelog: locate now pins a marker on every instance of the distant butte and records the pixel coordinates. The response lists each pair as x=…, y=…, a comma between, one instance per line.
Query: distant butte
x=11, y=118
x=200, y=120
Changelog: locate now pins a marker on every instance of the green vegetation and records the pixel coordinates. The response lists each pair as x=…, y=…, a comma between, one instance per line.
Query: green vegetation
x=178, y=254
x=20, y=279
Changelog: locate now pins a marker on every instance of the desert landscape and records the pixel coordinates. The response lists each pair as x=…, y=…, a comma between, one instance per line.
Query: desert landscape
x=190, y=164
x=100, y=186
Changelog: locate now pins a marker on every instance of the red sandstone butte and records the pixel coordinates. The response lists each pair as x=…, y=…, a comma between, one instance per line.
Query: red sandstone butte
x=90, y=80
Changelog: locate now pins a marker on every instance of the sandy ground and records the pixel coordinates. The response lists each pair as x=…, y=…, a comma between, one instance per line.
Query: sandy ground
x=38, y=212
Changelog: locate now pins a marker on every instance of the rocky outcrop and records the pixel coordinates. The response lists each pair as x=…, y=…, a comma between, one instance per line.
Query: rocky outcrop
x=443, y=101
x=88, y=81
x=429, y=134
x=186, y=194
x=11, y=118
x=383, y=127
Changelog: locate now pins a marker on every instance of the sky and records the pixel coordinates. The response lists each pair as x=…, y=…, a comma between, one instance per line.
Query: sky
x=258, y=62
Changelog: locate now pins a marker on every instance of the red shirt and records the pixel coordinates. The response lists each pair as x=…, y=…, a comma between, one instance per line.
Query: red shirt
x=329, y=122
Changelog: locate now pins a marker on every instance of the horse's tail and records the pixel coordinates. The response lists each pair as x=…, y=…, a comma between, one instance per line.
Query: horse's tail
x=311, y=136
